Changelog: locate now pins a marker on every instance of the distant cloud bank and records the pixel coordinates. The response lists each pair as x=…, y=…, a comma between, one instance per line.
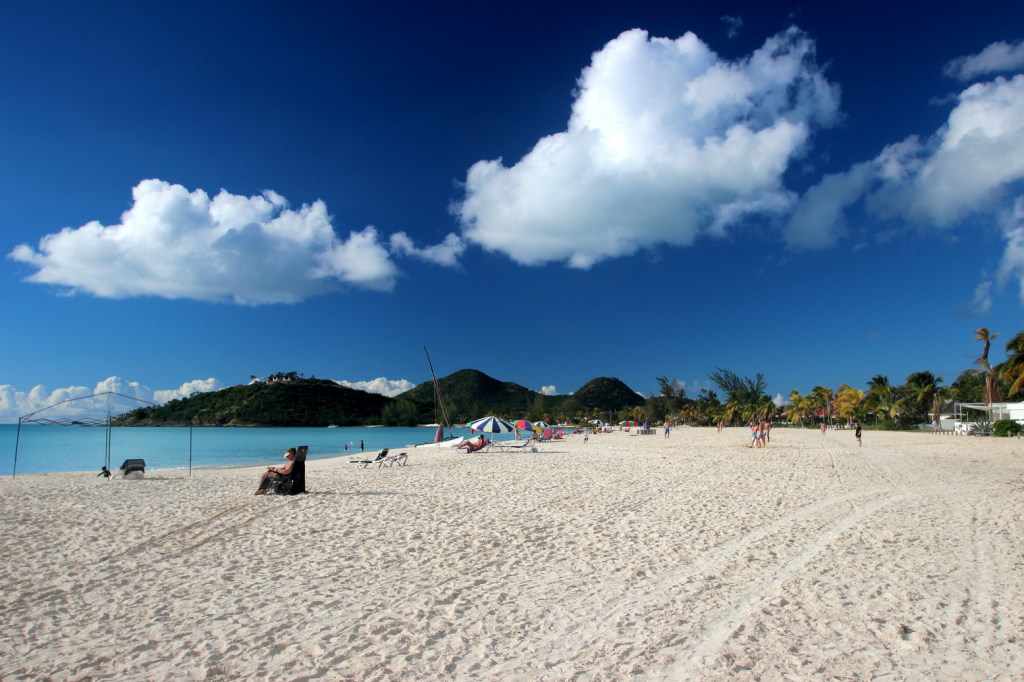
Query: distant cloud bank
x=666, y=142
x=15, y=404
x=388, y=387
x=174, y=243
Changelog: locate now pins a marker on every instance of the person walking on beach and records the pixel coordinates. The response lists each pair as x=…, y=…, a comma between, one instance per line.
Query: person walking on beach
x=856, y=433
x=668, y=429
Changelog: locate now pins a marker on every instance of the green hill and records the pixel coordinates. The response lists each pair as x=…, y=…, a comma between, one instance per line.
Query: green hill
x=468, y=393
x=606, y=393
x=305, y=402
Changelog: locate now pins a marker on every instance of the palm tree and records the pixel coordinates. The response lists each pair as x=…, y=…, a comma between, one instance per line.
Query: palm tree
x=922, y=389
x=888, y=401
x=732, y=410
x=848, y=402
x=800, y=407
x=991, y=387
x=823, y=398
x=878, y=380
x=1012, y=371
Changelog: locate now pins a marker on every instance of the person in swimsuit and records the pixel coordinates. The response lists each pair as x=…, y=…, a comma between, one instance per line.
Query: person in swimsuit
x=856, y=433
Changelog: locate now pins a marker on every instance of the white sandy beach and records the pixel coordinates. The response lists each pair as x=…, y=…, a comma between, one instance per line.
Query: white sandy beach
x=630, y=557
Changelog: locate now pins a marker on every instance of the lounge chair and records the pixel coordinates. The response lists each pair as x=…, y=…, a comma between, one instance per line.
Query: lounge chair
x=134, y=468
x=295, y=482
x=382, y=457
x=401, y=459
x=509, y=445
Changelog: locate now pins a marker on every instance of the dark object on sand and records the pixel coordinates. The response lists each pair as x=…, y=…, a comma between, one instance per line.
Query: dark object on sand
x=134, y=468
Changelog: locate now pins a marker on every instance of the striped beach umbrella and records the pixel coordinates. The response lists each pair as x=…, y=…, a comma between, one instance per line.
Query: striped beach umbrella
x=491, y=425
x=541, y=424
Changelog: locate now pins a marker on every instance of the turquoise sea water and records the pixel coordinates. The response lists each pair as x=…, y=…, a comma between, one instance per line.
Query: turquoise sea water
x=45, y=449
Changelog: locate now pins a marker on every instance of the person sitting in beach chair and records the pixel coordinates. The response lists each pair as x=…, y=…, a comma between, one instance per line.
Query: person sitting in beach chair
x=287, y=480
x=295, y=482
x=479, y=445
x=382, y=457
x=472, y=442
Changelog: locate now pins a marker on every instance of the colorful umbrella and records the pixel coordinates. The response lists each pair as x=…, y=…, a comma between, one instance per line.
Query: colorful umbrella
x=527, y=426
x=542, y=424
x=491, y=425
x=629, y=424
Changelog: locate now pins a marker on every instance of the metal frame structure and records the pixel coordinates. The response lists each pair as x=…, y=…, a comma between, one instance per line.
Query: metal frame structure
x=106, y=421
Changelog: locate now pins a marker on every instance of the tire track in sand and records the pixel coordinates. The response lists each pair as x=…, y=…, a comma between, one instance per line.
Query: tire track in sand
x=691, y=660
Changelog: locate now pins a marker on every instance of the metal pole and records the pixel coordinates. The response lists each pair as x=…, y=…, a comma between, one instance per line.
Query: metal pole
x=190, y=451
x=110, y=436
x=17, y=442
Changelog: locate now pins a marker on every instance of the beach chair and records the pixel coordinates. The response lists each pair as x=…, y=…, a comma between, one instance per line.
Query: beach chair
x=401, y=459
x=133, y=468
x=511, y=445
x=295, y=482
x=379, y=460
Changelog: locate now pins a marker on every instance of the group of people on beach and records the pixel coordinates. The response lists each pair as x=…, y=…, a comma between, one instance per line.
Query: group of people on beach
x=760, y=434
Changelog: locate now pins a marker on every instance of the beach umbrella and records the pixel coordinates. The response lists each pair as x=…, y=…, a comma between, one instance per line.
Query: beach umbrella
x=541, y=424
x=491, y=425
x=527, y=426
x=628, y=424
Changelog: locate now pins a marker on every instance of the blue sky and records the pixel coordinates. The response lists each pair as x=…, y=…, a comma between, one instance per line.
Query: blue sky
x=197, y=193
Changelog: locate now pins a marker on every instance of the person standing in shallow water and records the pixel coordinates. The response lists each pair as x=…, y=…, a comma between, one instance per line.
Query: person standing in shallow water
x=361, y=446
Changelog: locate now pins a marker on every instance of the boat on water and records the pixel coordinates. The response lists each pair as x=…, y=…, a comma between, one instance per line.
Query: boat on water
x=449, y=443
x=440, y=441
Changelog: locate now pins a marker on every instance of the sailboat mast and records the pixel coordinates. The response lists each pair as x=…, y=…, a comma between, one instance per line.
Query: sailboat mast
x=437, y=390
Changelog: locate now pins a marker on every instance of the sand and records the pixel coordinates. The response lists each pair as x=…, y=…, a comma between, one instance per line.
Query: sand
x=629, y=557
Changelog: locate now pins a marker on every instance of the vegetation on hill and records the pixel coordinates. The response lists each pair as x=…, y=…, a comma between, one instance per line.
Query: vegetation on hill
x=604, y=393
x=469, y=394
x=302, y=402
x=287, y=399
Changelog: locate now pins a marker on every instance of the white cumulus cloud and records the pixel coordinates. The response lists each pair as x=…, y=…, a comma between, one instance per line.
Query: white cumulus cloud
x=548, y=390
x=72, y=402
x=382, y=385
x=968, y=166
x=174, y=243
x=445, y=253
x=999, y=57
x=666, y=142
x=1012, y=265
